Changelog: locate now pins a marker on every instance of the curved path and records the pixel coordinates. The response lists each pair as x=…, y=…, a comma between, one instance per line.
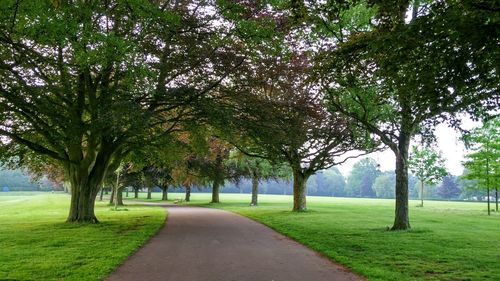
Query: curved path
x=202, y=244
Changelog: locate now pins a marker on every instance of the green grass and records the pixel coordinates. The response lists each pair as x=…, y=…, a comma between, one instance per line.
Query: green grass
x=36, y=244
x=448, y=240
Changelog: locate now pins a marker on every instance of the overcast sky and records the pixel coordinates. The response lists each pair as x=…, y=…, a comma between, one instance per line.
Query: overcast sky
x=448, y=142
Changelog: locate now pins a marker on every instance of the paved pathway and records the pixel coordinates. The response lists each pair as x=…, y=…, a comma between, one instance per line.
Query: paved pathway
x=202, y=244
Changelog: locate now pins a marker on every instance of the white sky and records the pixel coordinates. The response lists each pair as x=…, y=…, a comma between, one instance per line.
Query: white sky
x=448, y=141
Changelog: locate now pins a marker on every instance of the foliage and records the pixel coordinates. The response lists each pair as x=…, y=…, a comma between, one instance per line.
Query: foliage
x=362, y=176
x=449, y=188
x=483, y=164
x=329, y=182
x=400, y=77
x=429, y=167
x=84, y=84
x=384, y=185
x=427, y=164
x=16, y=180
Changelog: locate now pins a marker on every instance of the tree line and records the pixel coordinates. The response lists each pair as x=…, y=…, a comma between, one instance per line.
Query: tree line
x=97, y=90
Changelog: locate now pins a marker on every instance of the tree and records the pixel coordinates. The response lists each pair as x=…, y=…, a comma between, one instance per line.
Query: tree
x=330, y=182
x=470, y=189
x=214, y=166
x=273, y=112
x=160, y=176
x=361, y=179
x=449, y=188
x=257, y=169
x=428, y=166
x=399, y=77
x=384, y=185
x=483, y=162
x=85, y=83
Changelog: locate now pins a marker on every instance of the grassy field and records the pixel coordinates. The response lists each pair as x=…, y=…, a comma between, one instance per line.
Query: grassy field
x=448, y=240
x=36, y=244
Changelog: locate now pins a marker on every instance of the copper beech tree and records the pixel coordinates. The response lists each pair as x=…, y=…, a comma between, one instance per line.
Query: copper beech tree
x=272, y=111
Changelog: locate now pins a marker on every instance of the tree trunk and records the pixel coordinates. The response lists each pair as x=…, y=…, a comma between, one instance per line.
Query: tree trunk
x=164, y=193
x=421, y=193
x=255, y=190
x=496, y=198
x=112, y=197
x=488, y=195
x=102, y=193
x=299, y=190
x=116, y=194
x=215, y=191
x=149, y=193
x=136, y=192
x=82, y=205
x=126, y=192
x=119, y=196
x=84, y=190
x=488, y=183
x=188, y=193
x=401, y=220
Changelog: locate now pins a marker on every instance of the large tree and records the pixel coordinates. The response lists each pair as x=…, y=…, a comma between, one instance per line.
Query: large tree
x=278, y=115
x=397, y=75
x=85, y=82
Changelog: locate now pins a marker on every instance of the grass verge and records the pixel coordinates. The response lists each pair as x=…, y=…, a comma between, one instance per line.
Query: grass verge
x=36, y=244
x=448, y=240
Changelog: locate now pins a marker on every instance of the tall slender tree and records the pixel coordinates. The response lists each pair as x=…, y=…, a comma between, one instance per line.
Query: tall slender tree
x=483, y=162
x=428, y=166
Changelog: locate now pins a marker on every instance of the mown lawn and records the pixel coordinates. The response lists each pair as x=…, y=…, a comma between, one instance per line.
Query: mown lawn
x=36, y=244
x=448, y=240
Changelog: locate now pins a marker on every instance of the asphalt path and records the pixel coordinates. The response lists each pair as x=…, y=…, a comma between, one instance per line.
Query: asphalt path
x=203, y=244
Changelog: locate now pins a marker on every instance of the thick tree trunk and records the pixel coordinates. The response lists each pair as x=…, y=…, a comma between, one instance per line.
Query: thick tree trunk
x=401, y=220
x=149, y=192
x=82, y=205
x=164, y=193
x=255, y=190
x=188, y=194
x=299, y=190
x=215, y=192
x=119, y=196
x=84, y=190
x=136, y=193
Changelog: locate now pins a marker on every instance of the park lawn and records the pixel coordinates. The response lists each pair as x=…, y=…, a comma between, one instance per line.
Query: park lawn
x=448, y=240
x=36, y=244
